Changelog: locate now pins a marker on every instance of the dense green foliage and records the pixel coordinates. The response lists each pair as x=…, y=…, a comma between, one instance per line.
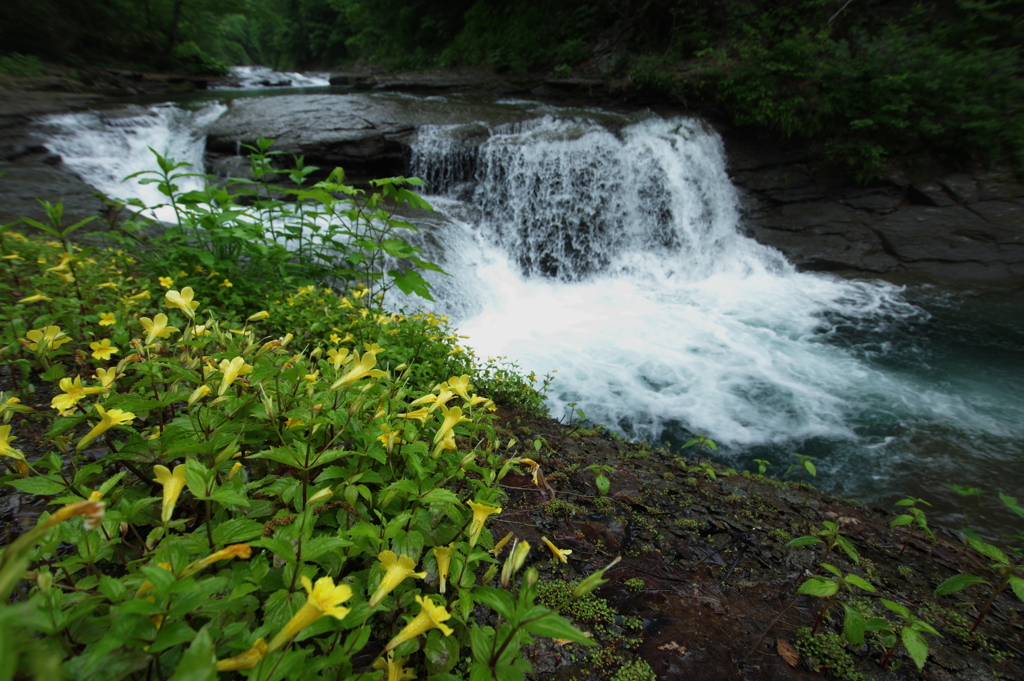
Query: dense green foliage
x=872, y=82
x=206, y=458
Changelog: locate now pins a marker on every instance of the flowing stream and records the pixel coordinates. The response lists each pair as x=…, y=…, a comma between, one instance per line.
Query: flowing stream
x=607, y=247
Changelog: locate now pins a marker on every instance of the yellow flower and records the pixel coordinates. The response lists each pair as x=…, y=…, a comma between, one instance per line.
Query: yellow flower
x=443, y=555
x=394, y=669
x=36, y=298
x=293, y=423
x=10, y=452
x=338, y=357
x=156, y=327
x=199, y=393
x=396, y=569
x=106, y=376
x=335, y=338
x=107, y=284
x=140, y=296
x=108, y=419
x=234, y=470
x=420, y=415
x=447, y=443
x=262, y=314
x=227, y=553
x=200, y=330
x=183, y=301
x=480, y=513
x=501, y=544
x=452, y=417
x=534, y=466
x=103, y=350
x=172, y=483
x=312, y=378
x=324, y=599
x=246, y=660
x=92, y=510
x=49, y=336
x=232, y=369
x=431, y=616
x=363, y=368
x=460, y=386
x=107, y=318
x=226, y=284
x=166, y=282
x=73, y=392
x=558, y=555
x=390, y=438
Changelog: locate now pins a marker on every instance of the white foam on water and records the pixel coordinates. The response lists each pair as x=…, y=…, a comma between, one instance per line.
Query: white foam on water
x=105, y=147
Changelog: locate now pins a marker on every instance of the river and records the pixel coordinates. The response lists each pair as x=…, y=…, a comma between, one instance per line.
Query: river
x=607, y=245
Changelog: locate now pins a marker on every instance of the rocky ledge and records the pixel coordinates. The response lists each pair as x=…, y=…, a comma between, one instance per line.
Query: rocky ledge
x=961, y=229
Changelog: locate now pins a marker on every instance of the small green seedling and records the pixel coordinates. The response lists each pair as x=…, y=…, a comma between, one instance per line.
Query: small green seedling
x=831, y=538
x=829, y=588
x=602, y=481
x=701, y=441
x=910, y=634
x=915, y=517
x=803, y=464
x=762, y=465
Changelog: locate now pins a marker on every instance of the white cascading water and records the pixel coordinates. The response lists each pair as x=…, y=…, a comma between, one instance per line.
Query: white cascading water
x=609, y=249
x=105, y=147
x=614, y=257
x=261, y=77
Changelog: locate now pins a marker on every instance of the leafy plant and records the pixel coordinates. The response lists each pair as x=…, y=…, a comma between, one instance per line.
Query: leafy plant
x=909, y=634
x=1009, y=570
x=915, y=517
x=803, y=464
x=206, y=474
x=831, y=537
x=600, y=479
x=830, y=588
x=701, y=441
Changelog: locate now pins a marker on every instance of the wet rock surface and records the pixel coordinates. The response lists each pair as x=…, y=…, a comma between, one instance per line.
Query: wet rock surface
x=948, y=228
x=706, y=588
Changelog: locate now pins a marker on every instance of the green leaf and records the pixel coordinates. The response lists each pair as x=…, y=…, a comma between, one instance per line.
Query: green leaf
x=804, y=541
x=895, y=607
x=229, y=497
x=1017, y=584
x=821, y=587
x=39, y=485
x=438, y=495
x=171, y=635
x=988, y=550
x=499, y=600
x=916, y=646
x=236, y=530
x=556, y=626
x=901, y=520
x=859, y=583
x=8, y=653
x=854, y=626
x=958, y=583
x=113, y=589
x=279, y=547
x=199, y=663
x=318, y=546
